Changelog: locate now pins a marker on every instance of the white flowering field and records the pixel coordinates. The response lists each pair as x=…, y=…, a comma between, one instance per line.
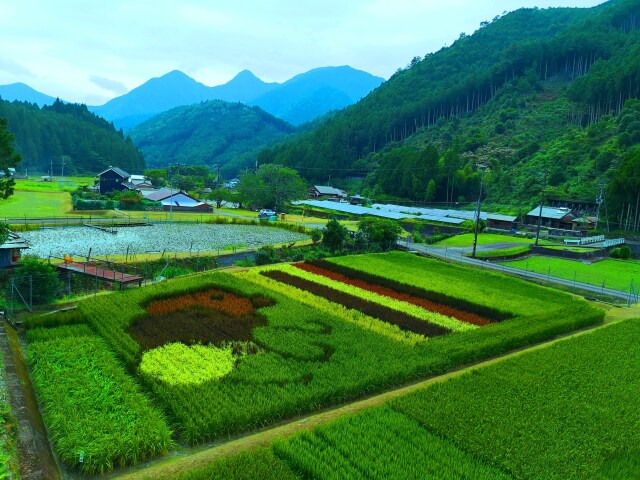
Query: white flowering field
x=156, y=238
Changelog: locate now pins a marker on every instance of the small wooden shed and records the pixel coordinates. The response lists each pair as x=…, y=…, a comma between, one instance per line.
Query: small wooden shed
x=11, y=250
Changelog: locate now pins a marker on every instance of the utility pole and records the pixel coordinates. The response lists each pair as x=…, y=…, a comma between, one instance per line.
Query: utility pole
x=276, y=192
x=483, y=168
x=599, y=201
x=171, y=197
x=544, y=186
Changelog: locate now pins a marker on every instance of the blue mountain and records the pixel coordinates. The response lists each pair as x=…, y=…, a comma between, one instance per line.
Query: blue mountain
x=24, y=93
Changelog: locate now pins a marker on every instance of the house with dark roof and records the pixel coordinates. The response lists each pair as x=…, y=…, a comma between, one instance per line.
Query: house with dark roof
x=322, y=192
x=177, y=200
x=552, y=217
x=11, y=250
x=113, y=179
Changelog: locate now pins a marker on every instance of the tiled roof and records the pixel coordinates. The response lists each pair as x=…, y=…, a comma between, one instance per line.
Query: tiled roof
x=119, y=171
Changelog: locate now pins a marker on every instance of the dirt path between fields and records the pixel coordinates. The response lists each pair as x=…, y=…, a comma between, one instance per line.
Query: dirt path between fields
x=180, y=462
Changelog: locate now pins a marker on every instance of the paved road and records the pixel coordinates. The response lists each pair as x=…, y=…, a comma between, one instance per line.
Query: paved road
x=455, y=255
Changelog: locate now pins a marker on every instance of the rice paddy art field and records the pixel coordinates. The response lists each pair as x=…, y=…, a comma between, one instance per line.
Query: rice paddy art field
x=548, y=414
x=214, y=355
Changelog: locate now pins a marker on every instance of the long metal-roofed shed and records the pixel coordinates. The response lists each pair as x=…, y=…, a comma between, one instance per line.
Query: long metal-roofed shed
x=552, y=217
x=11, y=250
x=496, y=221
x=376, y=212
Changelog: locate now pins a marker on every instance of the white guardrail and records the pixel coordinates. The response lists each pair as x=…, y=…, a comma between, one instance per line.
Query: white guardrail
x=613, y=242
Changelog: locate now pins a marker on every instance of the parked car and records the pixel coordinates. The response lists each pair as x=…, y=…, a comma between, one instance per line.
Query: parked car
x=266, y=214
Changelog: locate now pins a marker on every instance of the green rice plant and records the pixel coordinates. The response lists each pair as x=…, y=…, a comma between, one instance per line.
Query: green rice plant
x=71, y=330
x=69, y=317
x=566, y=412
x=459, y=305
x=179, y=364
x=418, y=312
x=380, y=443
x=313, y=353
x=488, y=289
x=331, y=308
x=98, y=418
x=402, y=319
x=258, y=464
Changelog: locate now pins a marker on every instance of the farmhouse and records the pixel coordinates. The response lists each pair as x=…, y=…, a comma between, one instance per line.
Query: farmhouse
x=560, y=218
x=327, y=193
x=113, y=179
x=177, y=200
x=501, y=222
x=11, y=249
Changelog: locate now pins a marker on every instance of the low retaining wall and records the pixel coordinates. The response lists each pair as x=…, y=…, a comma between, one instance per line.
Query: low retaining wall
x=552, y=252
x=505, y=258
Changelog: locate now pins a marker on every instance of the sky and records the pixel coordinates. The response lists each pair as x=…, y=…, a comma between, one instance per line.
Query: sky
x=90, y=52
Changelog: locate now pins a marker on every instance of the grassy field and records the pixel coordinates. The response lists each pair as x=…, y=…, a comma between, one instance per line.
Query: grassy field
x=466, y=240
x=616, y=274
x=503, y=252
x=34, y=184
x=36, y=204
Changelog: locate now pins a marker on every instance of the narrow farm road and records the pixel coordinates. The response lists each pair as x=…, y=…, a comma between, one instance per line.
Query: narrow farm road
x=455, y=254
x=194, y=458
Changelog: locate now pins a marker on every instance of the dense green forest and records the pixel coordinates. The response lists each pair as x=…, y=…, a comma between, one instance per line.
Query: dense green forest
x=209, y=133
x=539, y=95
x=68, y=133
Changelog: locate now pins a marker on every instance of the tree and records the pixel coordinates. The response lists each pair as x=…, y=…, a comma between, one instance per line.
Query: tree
x=220, y=195
x=380, y=231
x=37, y=279
x=9, y=158
x=272, y=186
x=430, y=193
x=334, y=236
x=4, y=232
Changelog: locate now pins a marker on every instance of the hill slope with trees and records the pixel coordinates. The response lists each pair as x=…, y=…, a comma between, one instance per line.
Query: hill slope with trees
x=209, y=133
x=532, y=92
x=69, y=133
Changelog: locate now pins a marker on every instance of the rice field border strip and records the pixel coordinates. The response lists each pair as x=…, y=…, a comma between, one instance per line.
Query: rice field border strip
x=353, y=316
x=402, y=319
x=435, y=318
x=434, y=296
x=430, y=305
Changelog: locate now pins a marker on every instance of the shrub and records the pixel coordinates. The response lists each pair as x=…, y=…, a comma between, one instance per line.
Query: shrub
x=37, y=279
x=334, y=236
x=267, y=255
x=623, y=253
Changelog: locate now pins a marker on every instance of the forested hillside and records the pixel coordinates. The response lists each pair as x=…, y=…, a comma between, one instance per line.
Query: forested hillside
x=68, y=133
x=209, y=133
x=533, y=91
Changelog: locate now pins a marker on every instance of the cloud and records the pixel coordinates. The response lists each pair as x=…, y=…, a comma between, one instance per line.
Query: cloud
x=107, y=84
x=14, y=68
